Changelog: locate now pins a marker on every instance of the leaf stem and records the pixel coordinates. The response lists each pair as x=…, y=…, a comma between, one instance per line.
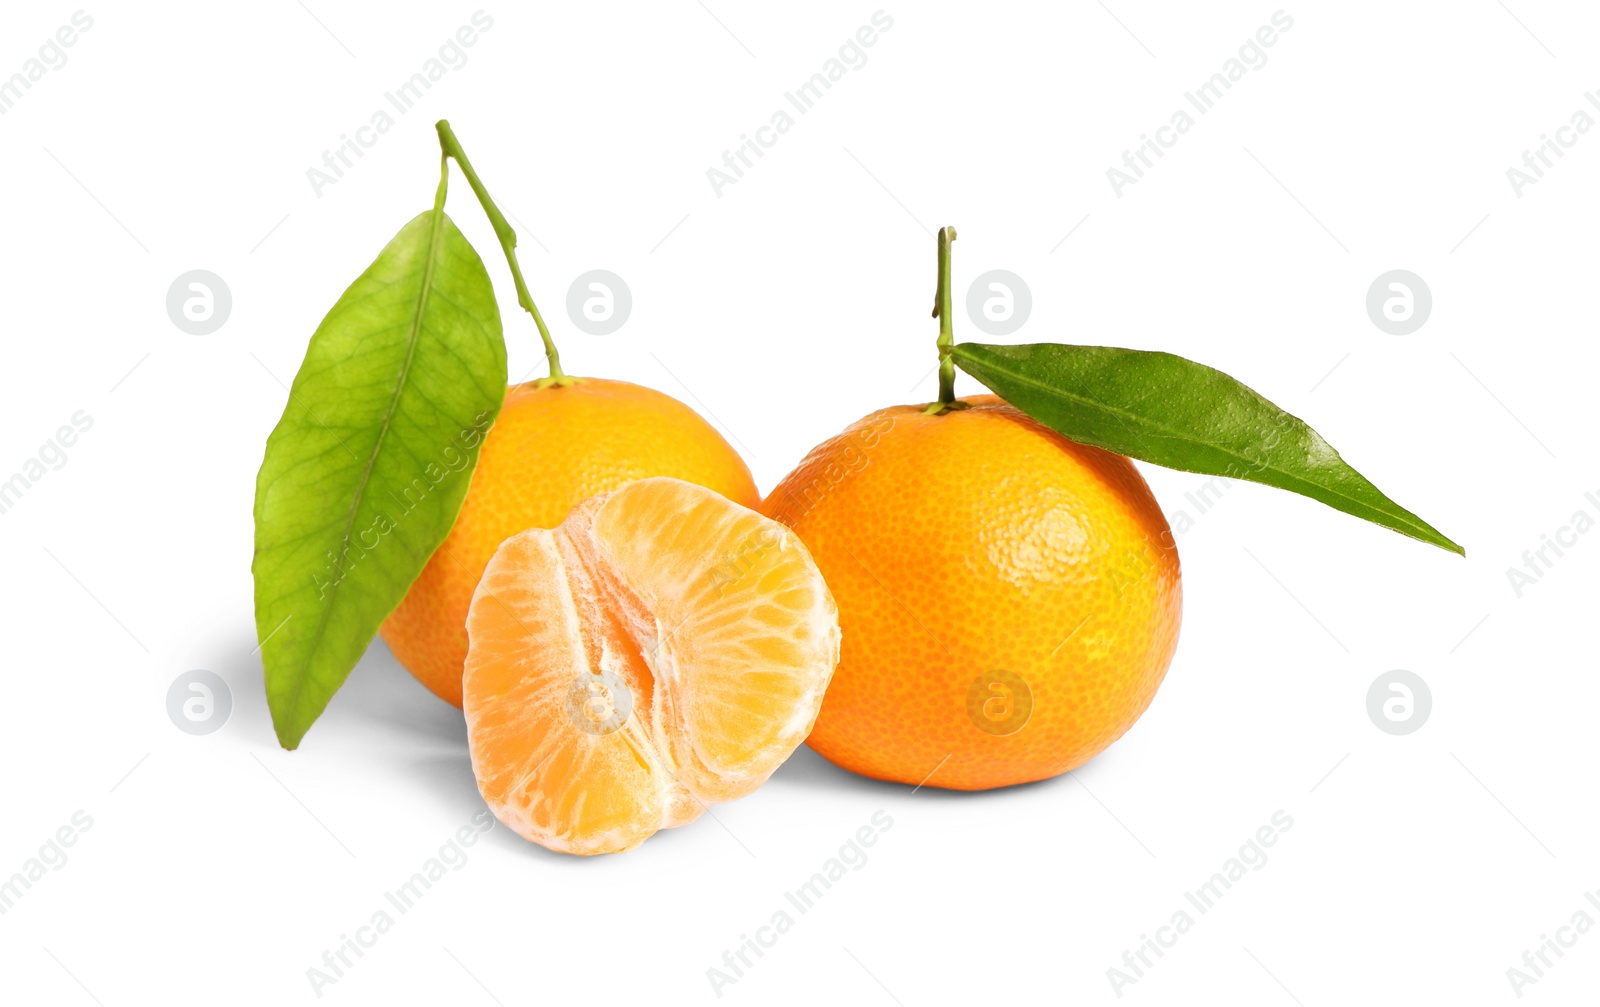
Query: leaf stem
x=942, y=310
x=451, y=147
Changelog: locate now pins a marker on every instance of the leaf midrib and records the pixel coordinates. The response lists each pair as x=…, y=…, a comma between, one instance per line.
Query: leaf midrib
x=436, y=229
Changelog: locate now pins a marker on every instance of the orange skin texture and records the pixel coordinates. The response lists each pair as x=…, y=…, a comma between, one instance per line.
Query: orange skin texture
x=550, y=449
x=980, y=541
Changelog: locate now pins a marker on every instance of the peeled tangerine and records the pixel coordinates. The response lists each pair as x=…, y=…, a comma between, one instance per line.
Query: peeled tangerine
x=663, y=648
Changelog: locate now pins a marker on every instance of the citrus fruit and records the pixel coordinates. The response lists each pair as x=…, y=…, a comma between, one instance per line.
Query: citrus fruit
x=1009, y=598
x=550, y=448
x=663, y=648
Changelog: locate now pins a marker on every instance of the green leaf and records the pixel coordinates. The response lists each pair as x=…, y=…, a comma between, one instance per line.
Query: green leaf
x=1161, y=408
x=366, y=471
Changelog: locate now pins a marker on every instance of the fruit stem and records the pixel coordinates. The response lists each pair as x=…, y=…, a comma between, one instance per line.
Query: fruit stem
x=942, y=310
x=444, y=184
x=508, y=242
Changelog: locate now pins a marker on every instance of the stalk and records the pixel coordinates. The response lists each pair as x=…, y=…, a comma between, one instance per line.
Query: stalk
x=508, y=243
x=943, y=310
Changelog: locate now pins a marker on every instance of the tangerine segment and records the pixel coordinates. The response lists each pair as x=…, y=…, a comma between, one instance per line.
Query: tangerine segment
x=567, y=780
x=662, y=648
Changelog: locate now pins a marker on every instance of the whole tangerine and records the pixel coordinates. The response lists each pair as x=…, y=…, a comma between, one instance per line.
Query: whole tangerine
x=552, y=447
x=1009, y=599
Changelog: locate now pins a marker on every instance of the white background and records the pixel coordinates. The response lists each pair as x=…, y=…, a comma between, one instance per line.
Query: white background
x=1418, y=868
